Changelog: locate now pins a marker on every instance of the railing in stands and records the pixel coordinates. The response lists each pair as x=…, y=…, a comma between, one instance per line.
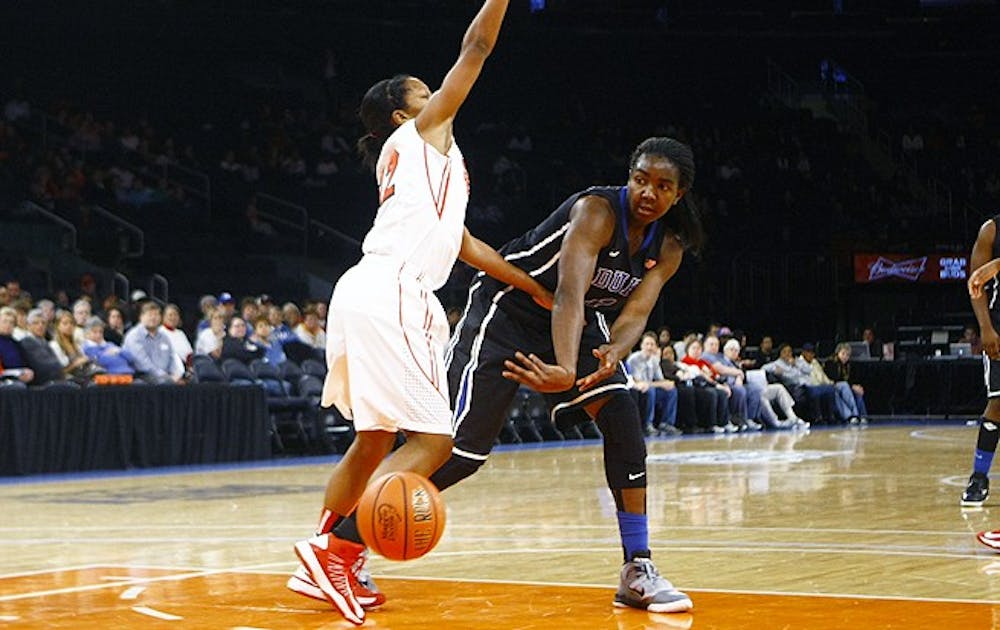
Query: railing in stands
x=120, y=280
x=156, y=281
x=299, y=222
x=69, y=228
x=140, y=236
x=325, y=230
x=781, y=85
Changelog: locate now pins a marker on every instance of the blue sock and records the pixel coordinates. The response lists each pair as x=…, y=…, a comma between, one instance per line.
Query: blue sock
x=982, y=461
x=635, y=534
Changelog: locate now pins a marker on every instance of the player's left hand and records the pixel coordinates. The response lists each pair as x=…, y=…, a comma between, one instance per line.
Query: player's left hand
x=978, y=278
x=608, y=357
x=537, y=374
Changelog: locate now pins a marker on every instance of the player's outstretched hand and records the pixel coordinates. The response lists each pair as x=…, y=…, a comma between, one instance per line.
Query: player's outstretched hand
x=537, y=374
x=608, y=357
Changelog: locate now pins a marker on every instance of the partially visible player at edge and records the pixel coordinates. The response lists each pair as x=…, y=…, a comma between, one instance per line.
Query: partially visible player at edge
x=986, y=306
x=978, y=280
x=386, y=330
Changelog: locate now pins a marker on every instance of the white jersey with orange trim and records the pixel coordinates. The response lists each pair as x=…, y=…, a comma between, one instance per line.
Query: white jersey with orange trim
x=423, y=195
x=386, y=330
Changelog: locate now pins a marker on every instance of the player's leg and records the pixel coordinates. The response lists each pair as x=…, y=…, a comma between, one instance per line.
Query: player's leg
x=641, y=585
x=978, y=488
x=482, y=397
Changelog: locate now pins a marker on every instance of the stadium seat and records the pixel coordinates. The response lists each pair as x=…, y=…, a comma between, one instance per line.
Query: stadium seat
x=206, y=370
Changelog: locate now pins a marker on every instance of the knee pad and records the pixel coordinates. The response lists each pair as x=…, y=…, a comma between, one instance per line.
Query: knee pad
x=454, y=470
x=624, y=443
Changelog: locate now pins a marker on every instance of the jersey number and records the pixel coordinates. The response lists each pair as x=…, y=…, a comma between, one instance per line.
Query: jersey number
x=386, y=187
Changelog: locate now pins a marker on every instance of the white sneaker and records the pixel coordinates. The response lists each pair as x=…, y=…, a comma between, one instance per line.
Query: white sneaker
x=641, y=586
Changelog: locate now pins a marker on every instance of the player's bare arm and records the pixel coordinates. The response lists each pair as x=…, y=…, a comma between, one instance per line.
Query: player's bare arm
x=481, y=256
x=982, y=275
x=631, y=322
x=592, y=224
x=982, y=252
x=434, y=122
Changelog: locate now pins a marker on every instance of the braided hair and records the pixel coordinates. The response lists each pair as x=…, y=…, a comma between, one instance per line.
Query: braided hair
x=683, y=219
x=375, y=113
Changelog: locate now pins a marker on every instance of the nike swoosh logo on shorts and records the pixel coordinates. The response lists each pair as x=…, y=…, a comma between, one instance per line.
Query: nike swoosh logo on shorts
x=613, y=253
x=634, y=476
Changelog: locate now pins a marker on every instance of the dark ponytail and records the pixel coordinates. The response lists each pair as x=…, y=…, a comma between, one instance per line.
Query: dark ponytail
x=683, y=219
x=375, y=113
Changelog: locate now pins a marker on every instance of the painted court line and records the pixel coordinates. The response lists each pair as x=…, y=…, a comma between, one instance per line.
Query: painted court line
x=137, y=581
x=132, y=593
x=152, y=612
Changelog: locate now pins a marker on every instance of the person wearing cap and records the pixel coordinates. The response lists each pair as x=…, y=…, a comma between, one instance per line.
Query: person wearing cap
x=228, y=305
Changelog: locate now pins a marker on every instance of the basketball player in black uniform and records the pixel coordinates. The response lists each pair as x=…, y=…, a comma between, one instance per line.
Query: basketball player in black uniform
x=987, y=309
x=606, y=253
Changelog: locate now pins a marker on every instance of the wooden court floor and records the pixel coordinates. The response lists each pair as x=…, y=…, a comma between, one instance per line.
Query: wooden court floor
x=838, y=528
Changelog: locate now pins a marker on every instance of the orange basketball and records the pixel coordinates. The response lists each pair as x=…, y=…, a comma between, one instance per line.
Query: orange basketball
x=401, y=516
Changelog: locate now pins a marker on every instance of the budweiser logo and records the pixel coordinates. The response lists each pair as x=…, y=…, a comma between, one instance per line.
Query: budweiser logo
x=906, y=269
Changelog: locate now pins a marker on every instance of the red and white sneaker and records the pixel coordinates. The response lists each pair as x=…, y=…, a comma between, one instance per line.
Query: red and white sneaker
x=990, y=539
x=329, y=561
x=364, y=587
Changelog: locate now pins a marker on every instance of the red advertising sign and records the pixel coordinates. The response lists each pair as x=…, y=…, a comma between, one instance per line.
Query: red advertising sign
x=906, y=268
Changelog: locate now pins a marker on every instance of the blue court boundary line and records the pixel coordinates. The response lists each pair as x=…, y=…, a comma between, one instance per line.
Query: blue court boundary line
x=314, y=460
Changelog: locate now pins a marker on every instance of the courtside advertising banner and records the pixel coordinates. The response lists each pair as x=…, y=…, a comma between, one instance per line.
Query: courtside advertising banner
x=906, y=268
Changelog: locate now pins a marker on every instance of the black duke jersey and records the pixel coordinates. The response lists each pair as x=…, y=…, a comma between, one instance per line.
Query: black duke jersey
x=616, y=273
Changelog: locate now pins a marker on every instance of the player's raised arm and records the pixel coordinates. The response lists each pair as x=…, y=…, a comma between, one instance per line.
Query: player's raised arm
x=434, y=122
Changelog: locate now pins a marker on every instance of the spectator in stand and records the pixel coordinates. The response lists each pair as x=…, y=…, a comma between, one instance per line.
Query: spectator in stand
x=761, y=400
x=710, y=379
x=731, y=375
x=150, y=349
x=238, y=346
x=293, y=316
x=971, y=337
x=765, y=352
x=207, y=305
x=48, y=309
x=173, y=328
x=681, y=346
x=280, y=332
x=109, y=356
x=82, y=313
x=844, y=408
x=796, y=376
x=209, y=341
x=663, y=337
x=115, y=329
x=21, y=308
x=13, y=286
x=850, y=393
x=658, y=396
x=309, y=331
x=13, y=363
x=4, y=296
x=228, y=305
x=874, y=343
x=74, y=362
x=321, y=312
x=249, y=310
x=263, y=337
x=37, y=352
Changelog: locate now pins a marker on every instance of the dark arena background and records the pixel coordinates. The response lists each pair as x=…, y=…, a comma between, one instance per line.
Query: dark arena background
x=175, y=150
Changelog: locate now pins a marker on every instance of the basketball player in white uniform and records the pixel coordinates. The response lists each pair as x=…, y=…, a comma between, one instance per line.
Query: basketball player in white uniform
x=386, y=331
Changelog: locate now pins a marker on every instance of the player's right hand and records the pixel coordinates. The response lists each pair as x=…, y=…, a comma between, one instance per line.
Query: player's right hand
x=978, y=278
x=537, y=374
x=991, y=342
x=608, y=357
